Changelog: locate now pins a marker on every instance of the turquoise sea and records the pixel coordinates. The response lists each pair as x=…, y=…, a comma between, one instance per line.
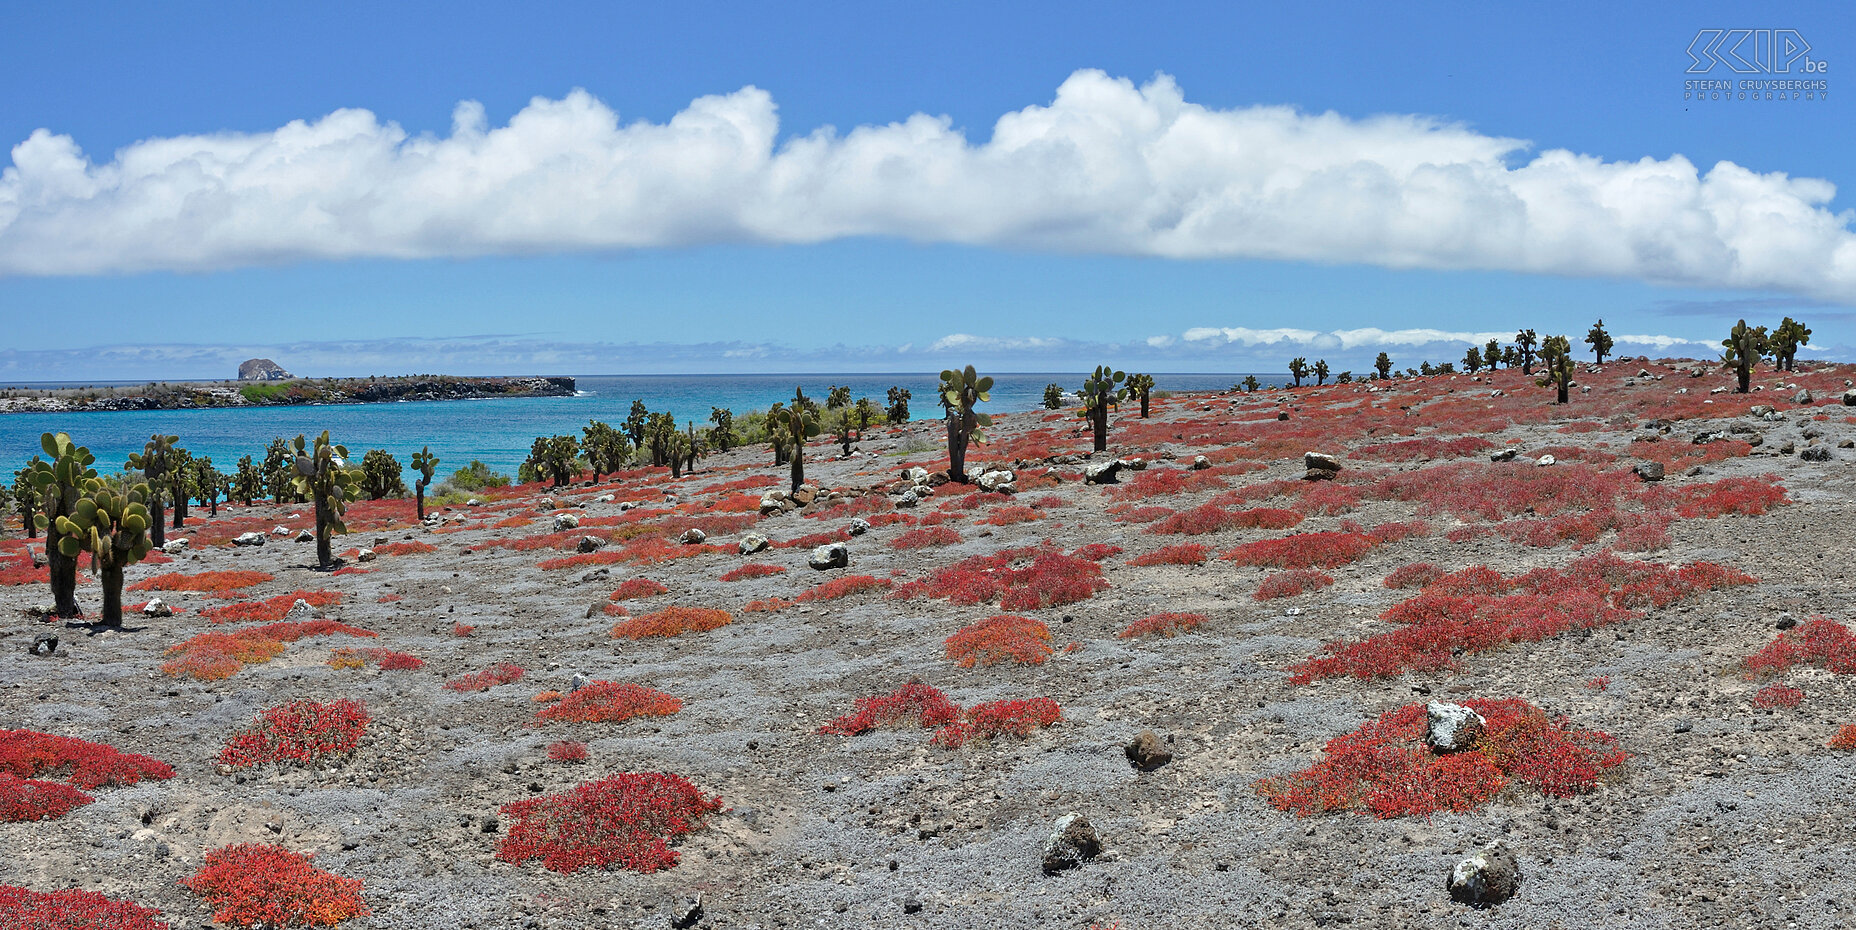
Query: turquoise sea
x=499, y=432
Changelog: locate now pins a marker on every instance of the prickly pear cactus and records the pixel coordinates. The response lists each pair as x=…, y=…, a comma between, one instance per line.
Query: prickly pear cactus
x=154, y=462
x=1099, y=394
x=58, y=481
x=797, y=424
x=113, y=526
x=960, y=390
x=425, y=463
x=323, y=476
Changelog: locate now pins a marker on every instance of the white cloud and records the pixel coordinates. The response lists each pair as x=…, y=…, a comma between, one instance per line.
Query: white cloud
x=966, y=342
x=1106, y=167
x=1663, y=343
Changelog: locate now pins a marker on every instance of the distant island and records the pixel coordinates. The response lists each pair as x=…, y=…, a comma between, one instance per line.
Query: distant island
x=263, y=383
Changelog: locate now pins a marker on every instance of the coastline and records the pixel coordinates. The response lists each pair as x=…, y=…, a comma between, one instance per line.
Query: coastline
x=295, y=392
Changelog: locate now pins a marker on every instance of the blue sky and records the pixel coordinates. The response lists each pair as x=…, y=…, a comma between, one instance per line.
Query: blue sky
x=1142, y=204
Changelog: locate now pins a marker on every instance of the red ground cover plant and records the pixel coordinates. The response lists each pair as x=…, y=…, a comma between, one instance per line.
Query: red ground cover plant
x=926, y=537
x=752, y=570
x=999, y=639
x=610, y=702
x=1415, y=575
x=1096, y=552
x=216, y=656
x=567, y=750
x=1210, y=518
x=29, y=799
x=410, y=547
x=914, y=704
x=814, y=540
x=1051, y=579
x=1477, y=610
x=1292, y=583
x=1142, y=514
x=625, y=821
x=1008, y=514
x=461, y=630
x=271, y=608
x=31, y=754
x=1845, y=738
x=1820, y=641
x=387, y=660
x=1425, y=449
x=1171, y=624
x=1182, y=554
x=300, y=732
x=993, y=719
x=501, y=673
x=1303, y=550
x=1779, y=696
x=673, y=621
x=1387, y=770
x=637, y=587
x=842, y=587
x=256, y=884
x=72, y=909
x=1744, y=496
x=1167, y=482
x=209, y=582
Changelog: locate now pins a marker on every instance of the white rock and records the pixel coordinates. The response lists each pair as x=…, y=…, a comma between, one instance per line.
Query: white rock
x=157, y=608
x=692, y=536
x=565, y=521
x=1545, y=460
x=364, y=555
x=1451, y=727
x=175, y=546
x=249, y=539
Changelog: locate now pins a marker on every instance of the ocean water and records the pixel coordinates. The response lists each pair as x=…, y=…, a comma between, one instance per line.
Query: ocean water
x=499, y=431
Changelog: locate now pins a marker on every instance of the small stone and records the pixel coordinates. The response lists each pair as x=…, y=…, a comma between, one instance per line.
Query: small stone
x=1072, y=842
x=364, y=555
x=1200, y=463
x=1815, y=454
x=156, y=607
x=43, y=646
x=752, y=543
x=580, y=680
x=907, y=499
x=589, y=544
x=830, y=555
x=1504, y=456
x=999, y=481
x=1485, y=878
x=805, y=495
x=858, y=526
x=1147, y=752
x=1649, y=471
x=174, y=547
x=693, y=536
x=1849, y=398
x=1282, y=416
x=1451, y=727
x=1102, y=473
x=1803, y=398
x=1318, y=474
x=249, y=539
x=1545, y=461
x=280, y=531
x=306, y=536
x=1788, y=448
x=1134, y=464
x=686, y=912
x=565, y=521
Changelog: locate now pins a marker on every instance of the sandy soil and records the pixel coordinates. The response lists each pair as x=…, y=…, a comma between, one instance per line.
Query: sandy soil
x=1727, y=814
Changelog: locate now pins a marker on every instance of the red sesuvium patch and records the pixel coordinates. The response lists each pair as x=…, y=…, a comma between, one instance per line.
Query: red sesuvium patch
x=1477, y=610
x=993, y=719
x=1167, y=482
x=501, y=673
x=216, y=656
x=1051, y=579
x=842, y=587
x=208, y=582
x=1820, y=641
x=1743, y=496
x=914, y=704
x=1387, y=770
x=1210, y=518
x=1303, y=550
x=72, y=909
x=926, y=537
x=1096, y=552
x=637, y=587
x=1140, y=514
x=256, y=884
x=814, y=540
x=31, y=754
x=462, y=630
x=271, y=608
x=610, y=702
x=1425, y=449
x=385, y=659
x=1293, y=582
x=1182, y=554
x=1779, y=696
x=753, y=570
x=1008, y=514
x=625, y=821
x=1845, y=738
x=567, y=750
x=410, y=547
x=1170, y=624
x=28, y=799
x=300, y=732
x=999, y=639
x=673, y=621
x=1415, y=575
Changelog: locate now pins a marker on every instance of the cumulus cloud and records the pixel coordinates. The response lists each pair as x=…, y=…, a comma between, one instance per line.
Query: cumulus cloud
x=1105, y=167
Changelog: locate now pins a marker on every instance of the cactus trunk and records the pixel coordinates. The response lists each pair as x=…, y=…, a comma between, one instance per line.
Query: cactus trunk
x=180, y=511
x=1145, y=397
x=418, y=493
x=1744, y=373
x=1562, y=390
x=324, y=532
x=64, y=580
x=799, y=471
x=112, y=595
x=155, y=532
x=956, y=449
x=1098, y=424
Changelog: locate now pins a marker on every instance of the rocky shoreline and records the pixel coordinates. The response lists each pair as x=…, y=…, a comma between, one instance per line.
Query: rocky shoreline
x=296, y=392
